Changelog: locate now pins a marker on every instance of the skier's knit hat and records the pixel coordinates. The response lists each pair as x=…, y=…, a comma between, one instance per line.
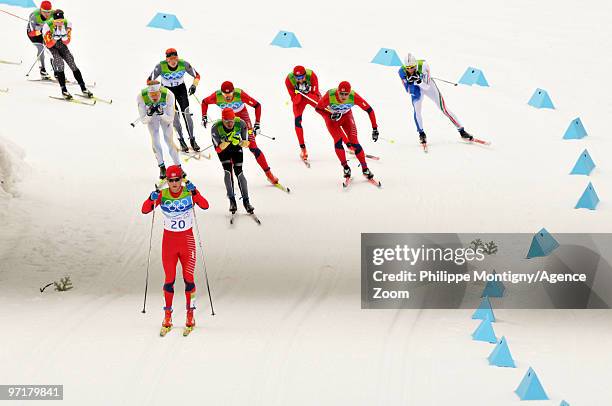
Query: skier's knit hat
x=46, y=6
x=227, y=114
x=344, y=87
x=58, y=14
x=171, y=52
x=174, y=172
x=299, y=70
x=227, y=87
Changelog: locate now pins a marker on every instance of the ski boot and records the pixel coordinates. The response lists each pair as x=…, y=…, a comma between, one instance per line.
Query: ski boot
x=465, y=135
x=66, y=94
x=162, y=171
x=43, y=74
x=167, y=323
x=273, y=179
x=303, y=153
x=194, y=144
x=423, y=137
x=367, y=173
x=86, y=92
x=347, y=171
x=184, y=146
x=233, y=207
x=247, y=206
x=189, y=323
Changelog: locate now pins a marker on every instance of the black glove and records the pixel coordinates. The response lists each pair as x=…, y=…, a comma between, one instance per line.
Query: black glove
x=414, y=79
x=204, y=121
x=150, y=110
x=256, y=128
x=375, y=134
x=159, y=110
x=304, y=87
x=192, y=89
x=335, y=116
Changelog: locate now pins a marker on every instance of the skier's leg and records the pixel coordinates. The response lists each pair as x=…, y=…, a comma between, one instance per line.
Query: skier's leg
x=187, y=256
x=155, y=141
x=169, y=260
x=40, y=51
x=244, y=114
x=226, y=163
x=298, y=109
x=417, y=103
x=58, y=67
x=237, y=159
x=349, y=128
x=434, y=94
x=182, y=99
x=167, y=129
x=336, y=133
x=67, y=55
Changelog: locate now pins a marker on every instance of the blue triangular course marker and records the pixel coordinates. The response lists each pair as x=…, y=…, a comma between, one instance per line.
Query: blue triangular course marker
x=20, y=3
x=589, y=198
x=541, y=100
x=484, y=311
x=493, y=289
x=165, y=21
x=473, y=76
x=500, y=356
x=286, y=39
x=584, y=165
x=564, y=403
x=575, y=130
x=530, y=387
x=484, y=332
x=387, y=57
x=542, y=244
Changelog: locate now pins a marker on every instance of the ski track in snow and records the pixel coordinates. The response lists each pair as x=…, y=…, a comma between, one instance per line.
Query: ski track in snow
x=289, y=329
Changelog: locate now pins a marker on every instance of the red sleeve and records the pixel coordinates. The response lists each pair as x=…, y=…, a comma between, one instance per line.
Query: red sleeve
x=253, y=103
x=200, y=200
x=148, y=205
x=359, y=101
x=212, y=99
x=323, y=104
x=314, y=82
x=290, y=88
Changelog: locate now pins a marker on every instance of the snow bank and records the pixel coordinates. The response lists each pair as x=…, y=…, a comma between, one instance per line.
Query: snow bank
x=11, y=165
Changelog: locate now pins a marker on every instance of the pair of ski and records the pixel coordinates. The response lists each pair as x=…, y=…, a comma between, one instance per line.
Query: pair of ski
x=472, y=141
x=197, y=155
x=234, y=215
x=165, y=330
x=87, y=101
x=368, y=156
x=348, y=181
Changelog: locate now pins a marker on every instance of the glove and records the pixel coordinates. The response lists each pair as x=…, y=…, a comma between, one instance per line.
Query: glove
x=190, y=187
x=159, y=110
x=154, y=195
x=335, y=116
x=256, y=128
x=204, y=121
x=304, y=87
x=414, y=79
x=223, y=145
x=375, y=134
x=244, y=143
x=150, y=110
x=192, y=89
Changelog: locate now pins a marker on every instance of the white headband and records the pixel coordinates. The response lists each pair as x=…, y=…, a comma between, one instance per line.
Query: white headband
x=155, y=88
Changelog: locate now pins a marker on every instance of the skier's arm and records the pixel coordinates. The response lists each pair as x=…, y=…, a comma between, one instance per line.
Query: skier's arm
x=359, y=101
x=216, y=138
x=322, y=105
x=156, y=72
x=34, y=30
x=290, y=88
x=244, y=133
x=402, y=75
x=168, y=116
x=314, y=83
x=68, y=33
x=253, y=103
x=47, y=37
x=148, y=205
x=200, y=200
x=212, y=99
x=425, y=77
x=142, y=110
x=190, y=70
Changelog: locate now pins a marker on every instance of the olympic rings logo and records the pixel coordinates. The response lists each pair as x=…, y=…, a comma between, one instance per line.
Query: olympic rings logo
x=340, y=108
x=173, y=75
x=233, y=105
x=176, y=205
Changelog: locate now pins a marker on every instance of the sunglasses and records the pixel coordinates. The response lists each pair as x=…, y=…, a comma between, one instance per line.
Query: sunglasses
x=174, y=180
x=300, y=77
x=170, y=55
x=344, y=94
x=411, y=67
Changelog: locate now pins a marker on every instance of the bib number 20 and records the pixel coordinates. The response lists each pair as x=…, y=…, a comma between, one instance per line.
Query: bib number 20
x=177, y=224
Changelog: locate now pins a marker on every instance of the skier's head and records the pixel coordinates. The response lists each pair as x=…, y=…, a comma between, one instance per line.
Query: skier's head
x=300, y=73
x=172, y=57
x=46, y=8
x=344, y=90
x=174, y=174
x=154, y=88
x=227, y=88
x=58, y=15
x=410, y=63
x=227, y=117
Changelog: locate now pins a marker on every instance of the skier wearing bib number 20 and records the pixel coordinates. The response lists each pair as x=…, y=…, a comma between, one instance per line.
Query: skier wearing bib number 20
x=178, y=244
x=335, y=107
x=417, y=81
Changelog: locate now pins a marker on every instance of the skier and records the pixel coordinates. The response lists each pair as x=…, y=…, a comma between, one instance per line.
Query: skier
x=300, y=82
x=178, y=244
x=229, y=136
x=172, y=72
x=335, y=107
x=417, y=81
x=57, y=33
x=236, y=99
x=36, y=22
x=156, y=109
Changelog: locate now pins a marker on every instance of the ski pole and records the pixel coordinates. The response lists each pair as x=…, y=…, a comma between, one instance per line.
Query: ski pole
x=14, y=15
x=267, y=136
x=133, y=123
x=195, y=220
x=35, y=60
x=446, y=81
x=10, y=62
x=196, y=97
x=144, y=305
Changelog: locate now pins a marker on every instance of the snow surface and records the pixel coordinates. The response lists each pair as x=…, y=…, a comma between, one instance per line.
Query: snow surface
x=289, y=329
